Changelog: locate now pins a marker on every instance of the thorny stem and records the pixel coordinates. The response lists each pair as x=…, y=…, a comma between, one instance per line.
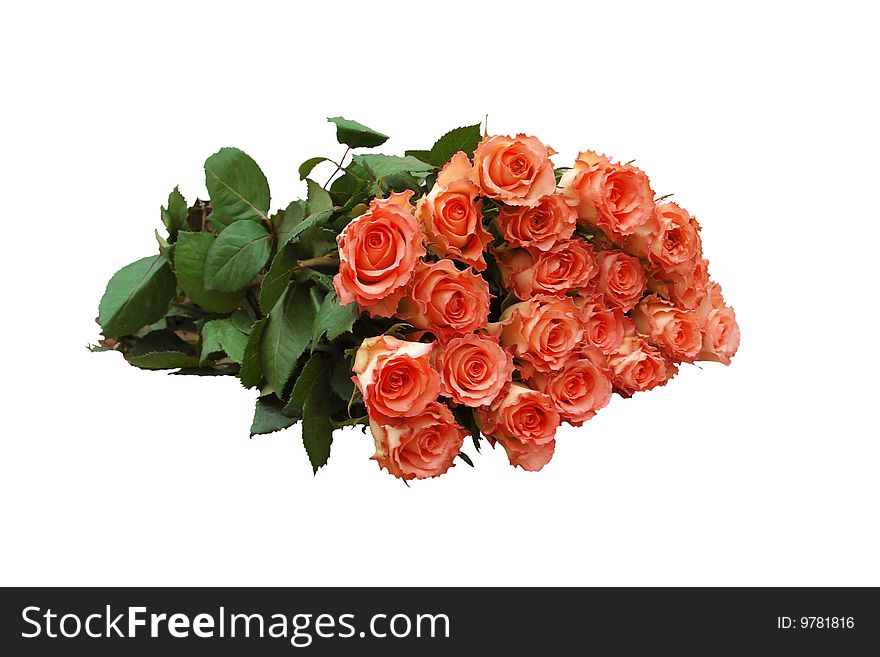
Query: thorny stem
x=329, y=260
x=338, y=167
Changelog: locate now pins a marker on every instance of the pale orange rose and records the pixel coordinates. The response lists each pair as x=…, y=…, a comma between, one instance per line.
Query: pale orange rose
x=450, y=215
x=720, y=330
x=420, y=446
x=473, y=369
x=603, y=325
x=684, y=286
x=578, y=390
x=676, y=332
x=566, y=267
x=542, y=333
x=524, y=421
x=395, y=377
x=514, y=170
x=621, y=278
x=616, y=198
x=377, y=254
x=637, y=365
x=445, y=300
x=552, y=220
x=669, y=241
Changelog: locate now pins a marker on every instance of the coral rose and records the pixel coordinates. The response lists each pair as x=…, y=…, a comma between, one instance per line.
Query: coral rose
x=603, y=326
x=377, y=254
x=524, y=421
x=685, y=286
x=446, y=301
x=473, y=369
x=578, y=390
x=516, y=171
x=674, y=331
x=637, y=365
x=450, y=215
x=568, y=266
x=669, y=241
x=542, y=333
x=550, y=221
x=395, y=377
x=621, y=278
x=720, y=330
x=420, y=447
x=616, y=198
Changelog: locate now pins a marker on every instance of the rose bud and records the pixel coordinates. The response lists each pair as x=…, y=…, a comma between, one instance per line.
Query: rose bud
x=516, y=171
x=420, y=446
x=720, y=330
x=524, y=421
x=395, y=377
x=445, y=301
x=377, y=254
x=473, y=369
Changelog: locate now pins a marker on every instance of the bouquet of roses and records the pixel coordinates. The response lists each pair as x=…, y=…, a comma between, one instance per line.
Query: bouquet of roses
x=469, y=289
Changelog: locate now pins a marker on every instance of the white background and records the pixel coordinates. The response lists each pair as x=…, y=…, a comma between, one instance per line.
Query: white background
x=761, y=118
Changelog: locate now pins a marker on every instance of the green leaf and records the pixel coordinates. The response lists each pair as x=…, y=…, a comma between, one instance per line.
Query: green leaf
x=222, y=335
x=353, y=187
x=276, y=279
x=340, y=379
x=315, y=242
x=234, y=342
x=293, y=216
x=424, y=156
x=319, y=278
x=137, y=295
x=174, y=217
x=333, y=319
x=251, y=372
x=287, y=335
x=190, y=252
x=306, y=167
x=317, y=219
x=242, y=320
x=461, y=139
x=237, y=187
x=211, y=339
x=161, y=350
x=388, y=165
x=314, y=371
x=268, y=417
x=317, y=429
x=356, y=135
x=318, y=199
x=237, y=255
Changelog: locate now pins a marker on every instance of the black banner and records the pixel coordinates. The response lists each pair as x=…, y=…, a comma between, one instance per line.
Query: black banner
x=436, y=621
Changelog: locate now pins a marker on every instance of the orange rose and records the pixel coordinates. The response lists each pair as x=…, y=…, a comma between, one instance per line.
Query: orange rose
x=616, y=198
x=517, y=171
x=422, y=446
x=578, y=390
x=450, y=215
x=684, y=286
x=524, y=421
x=541, y=226
x=674, y=331
x=377, y=254
x=446, y=301
x=669, y=241
x=568, y=266
x=542, y=333
x=720, y=330
x=621, y=279
x=637, y=365
x=395, y=377
x=603, y=327
x=473, y=369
